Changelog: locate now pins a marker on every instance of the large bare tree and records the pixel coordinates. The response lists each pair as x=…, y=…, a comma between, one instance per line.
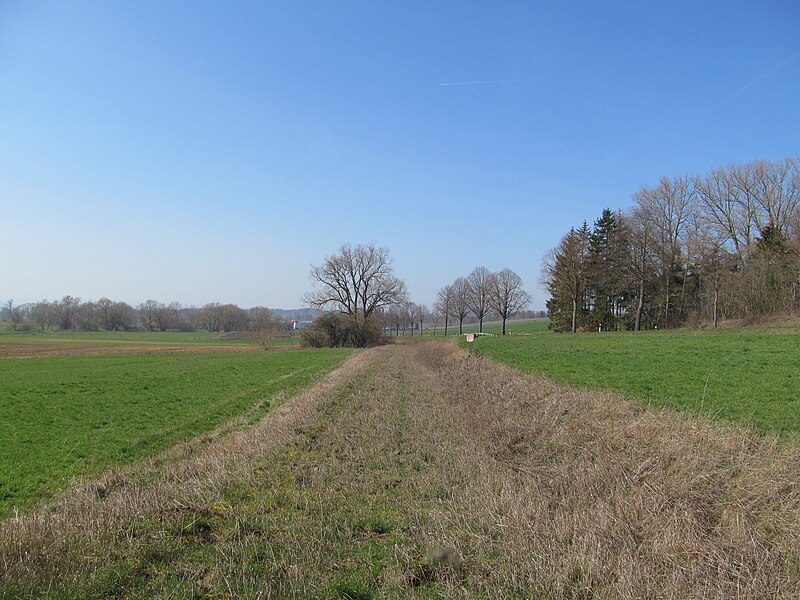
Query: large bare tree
x=444, y=305
x=668, y=208
x=479, y=285
x=506, y=295
x=640, y=249
x=459, y=305
x=417, y=314
x=357, y=281
x=44, y=313
x=727, y=211
x=66, y=311
x=12, y=314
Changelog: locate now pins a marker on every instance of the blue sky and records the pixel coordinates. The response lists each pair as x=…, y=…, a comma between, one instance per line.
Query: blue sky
x=213, y=151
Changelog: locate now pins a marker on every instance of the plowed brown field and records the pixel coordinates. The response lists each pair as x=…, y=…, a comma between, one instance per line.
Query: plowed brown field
x=53, y=349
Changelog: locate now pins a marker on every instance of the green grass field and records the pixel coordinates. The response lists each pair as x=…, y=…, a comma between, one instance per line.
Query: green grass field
x=513, y=327
x=77, y=415
x=750, y=375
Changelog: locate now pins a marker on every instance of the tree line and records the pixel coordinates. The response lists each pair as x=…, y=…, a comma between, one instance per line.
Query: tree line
x=364, y=299
x=72, y=314
x=691, y=250
x=482, y=294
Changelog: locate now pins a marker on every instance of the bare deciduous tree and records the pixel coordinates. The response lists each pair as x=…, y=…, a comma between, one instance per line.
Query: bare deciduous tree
x=103, y=313
x=459, y=301
x=419, y=312
x=444, y=305
x=479, y=285
x=506, y=295
x=266, y=327
x=66, y=311
x=640, y=248
x=223, y=317
x=13, y=314
x=729, y=219
x=147, y=314
x=43, y=314
x=396, y=318
x=260, y=318
x=357, y=281
x=774, y=187
x=434, y=316
x=668, y=208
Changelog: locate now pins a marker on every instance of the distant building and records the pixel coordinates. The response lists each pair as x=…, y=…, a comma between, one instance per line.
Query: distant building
x=301, y=324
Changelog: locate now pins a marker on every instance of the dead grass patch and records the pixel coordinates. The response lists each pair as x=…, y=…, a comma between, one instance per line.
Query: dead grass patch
x=609, y=499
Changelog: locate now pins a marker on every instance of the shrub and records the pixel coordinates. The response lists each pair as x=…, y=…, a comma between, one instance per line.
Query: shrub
x=334, y=330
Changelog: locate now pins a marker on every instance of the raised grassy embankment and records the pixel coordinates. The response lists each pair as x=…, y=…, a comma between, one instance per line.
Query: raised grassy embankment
x=420, y=471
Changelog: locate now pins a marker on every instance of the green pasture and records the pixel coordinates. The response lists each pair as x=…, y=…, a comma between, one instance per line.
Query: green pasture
x=513, y=327
x=62, y=417
x=749, y=375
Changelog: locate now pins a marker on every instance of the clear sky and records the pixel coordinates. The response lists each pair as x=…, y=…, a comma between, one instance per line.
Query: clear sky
x=212, y=151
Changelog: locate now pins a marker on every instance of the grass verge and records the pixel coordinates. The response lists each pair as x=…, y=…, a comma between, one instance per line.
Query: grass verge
x=749, y=375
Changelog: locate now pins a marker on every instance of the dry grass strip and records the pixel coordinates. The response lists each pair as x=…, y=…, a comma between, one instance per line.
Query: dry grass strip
x=589, y=495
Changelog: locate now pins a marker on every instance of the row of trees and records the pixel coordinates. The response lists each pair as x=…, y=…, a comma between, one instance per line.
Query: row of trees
x=480, y=294
x=356, y=287
x=690, y=250
x=366, y=299
x=70, y=313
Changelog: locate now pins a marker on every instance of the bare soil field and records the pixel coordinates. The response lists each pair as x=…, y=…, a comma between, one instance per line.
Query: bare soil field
x=53, y=349
x=420, y=471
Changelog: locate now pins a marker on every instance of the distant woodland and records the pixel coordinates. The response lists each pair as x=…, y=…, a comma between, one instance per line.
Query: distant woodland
x=73, y=314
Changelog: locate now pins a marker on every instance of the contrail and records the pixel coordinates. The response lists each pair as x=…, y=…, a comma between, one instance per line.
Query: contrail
x=480, y=82
x=767, y=74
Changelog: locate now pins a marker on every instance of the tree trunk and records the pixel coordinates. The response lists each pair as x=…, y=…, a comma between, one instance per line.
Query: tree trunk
x=716, y=305
x=460, y=324
x=639, y=306
x=574, y=313
x=504, y=325
x=683, y=292
x=445, y=326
